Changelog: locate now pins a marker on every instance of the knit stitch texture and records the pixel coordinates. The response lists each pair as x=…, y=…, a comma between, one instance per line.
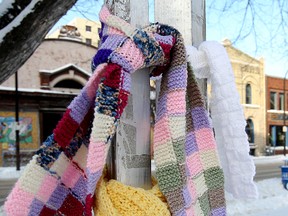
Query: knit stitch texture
x=61, y=178
x=211, y=61
x=116, y=199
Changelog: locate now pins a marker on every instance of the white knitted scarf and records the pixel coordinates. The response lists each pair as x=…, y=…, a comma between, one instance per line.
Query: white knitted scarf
x=212, y=62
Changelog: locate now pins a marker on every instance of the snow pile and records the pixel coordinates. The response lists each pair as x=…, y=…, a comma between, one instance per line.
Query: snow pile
x=10, y=173
x=264, y=160
x=272, y=201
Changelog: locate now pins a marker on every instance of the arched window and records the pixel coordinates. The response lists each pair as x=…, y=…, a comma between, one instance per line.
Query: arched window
x=248, y=94
x=250, y=130
x=68, y=83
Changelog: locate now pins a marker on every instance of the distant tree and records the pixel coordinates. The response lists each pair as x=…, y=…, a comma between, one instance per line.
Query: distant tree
x=23, y=26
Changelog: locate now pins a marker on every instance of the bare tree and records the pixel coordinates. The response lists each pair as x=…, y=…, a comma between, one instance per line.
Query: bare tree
x=23, y=26
x=265, y=21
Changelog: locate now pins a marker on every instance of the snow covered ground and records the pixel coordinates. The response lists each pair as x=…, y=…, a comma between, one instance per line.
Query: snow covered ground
x=272, y=201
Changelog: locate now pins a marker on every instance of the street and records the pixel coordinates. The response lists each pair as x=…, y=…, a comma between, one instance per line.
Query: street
x=265, y=171
x=5, y=187
x=268, y=167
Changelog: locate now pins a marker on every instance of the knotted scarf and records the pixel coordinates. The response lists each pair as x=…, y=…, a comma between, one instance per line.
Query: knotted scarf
x=62, y=177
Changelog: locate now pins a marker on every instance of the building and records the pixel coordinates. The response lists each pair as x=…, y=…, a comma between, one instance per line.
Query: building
x=250, y=81
x=80, y=29
x=47, y=82
x=276, y=117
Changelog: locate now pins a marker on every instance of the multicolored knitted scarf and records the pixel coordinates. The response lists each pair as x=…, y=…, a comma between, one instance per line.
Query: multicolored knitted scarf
x=62, y=177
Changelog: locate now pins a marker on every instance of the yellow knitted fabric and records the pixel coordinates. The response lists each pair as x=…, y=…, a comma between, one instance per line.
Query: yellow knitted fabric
x=116, y=199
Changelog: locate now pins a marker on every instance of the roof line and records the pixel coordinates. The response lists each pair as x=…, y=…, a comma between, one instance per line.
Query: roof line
x=64, y=67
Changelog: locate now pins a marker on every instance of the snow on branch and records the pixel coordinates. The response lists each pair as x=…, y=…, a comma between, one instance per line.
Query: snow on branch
x=5, y=6
x=17, y=21
x=23, y=26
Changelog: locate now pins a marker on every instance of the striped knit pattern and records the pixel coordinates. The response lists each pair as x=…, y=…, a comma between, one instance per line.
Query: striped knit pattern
x=61, y=179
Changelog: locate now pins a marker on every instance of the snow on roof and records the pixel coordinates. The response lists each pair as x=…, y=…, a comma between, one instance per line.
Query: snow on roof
x=18, y=19
x=35, y=90
x=64, y=67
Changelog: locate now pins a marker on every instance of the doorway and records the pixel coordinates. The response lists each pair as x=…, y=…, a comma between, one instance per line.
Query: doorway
x=49, y=122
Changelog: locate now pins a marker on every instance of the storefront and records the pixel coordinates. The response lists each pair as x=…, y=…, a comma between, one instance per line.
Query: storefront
x=39, y=112
x=276, y=131
x=276, y=103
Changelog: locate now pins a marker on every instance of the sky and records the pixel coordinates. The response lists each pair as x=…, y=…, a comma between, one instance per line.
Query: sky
x=225, y=21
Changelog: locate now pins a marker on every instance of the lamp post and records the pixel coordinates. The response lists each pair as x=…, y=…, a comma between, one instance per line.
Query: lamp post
x=17, y=141
x=284, y=113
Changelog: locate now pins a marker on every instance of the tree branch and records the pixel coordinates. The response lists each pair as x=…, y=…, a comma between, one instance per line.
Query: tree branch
x=21, y=41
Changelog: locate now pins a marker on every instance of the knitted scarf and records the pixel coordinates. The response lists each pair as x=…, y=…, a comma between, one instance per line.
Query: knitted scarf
x=114, y=198
x=211, y=61
x=62, y=177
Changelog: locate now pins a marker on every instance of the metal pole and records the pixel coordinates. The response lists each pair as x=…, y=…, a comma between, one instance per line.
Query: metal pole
x=17, y=122
x=189, y=17
x=284, y=112
x=132, y=150
x=198, y=18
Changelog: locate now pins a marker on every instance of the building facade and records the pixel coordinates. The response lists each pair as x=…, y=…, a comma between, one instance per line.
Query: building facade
x=250, y=81
x=276, y=117
x=86, y=31
x=47, y=83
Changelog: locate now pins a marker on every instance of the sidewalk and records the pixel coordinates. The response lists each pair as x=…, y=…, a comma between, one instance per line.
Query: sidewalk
x=8, y=177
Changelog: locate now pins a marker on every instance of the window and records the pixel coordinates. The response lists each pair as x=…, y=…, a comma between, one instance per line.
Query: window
x=250, y=130
x=277, y=136
x=248, y=94
x=281, y=101
x=88, y=41
x=273, y=100
x=88, y=28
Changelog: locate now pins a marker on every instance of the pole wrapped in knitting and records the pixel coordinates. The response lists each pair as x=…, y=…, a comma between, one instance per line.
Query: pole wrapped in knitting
x=62, y=177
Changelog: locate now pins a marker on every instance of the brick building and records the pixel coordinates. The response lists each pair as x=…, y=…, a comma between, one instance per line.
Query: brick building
x=276, y=104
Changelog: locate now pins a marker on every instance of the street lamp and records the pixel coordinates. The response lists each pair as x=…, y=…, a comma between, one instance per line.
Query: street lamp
x=284, y=113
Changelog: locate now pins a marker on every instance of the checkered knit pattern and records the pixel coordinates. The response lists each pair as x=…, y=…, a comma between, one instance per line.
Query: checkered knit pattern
x=211, y=61
x=61, y=178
